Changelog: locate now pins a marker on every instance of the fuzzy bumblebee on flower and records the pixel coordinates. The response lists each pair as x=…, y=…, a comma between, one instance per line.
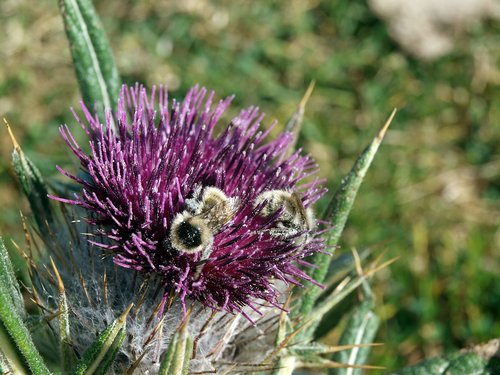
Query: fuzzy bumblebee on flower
x=215, y=216
x=200, y=231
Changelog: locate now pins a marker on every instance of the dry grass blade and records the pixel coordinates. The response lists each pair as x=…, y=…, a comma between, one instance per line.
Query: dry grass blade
x=202, y=332
x=339, y=348
x=295, y=123
x=287, y=340
x=332, y=364
x=136, y=363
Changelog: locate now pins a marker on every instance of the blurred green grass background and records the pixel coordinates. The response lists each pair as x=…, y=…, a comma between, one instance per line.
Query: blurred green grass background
x=432, y=195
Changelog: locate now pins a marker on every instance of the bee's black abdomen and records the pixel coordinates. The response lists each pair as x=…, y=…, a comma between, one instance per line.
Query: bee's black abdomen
x=189, y=235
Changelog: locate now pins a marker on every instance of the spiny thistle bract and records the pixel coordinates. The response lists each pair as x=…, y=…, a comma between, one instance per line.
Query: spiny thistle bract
x=216, y=214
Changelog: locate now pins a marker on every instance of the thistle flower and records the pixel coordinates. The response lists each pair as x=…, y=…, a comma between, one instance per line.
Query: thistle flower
x=215, y=216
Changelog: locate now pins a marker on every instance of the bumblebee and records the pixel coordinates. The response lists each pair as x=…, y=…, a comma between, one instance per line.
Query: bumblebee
x=294, y=217
x=206, y=213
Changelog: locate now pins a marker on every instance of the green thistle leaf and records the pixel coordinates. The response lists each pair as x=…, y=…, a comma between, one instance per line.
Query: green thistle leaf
x=32, y=184
x=13, y=328
x=95, y=67
x=337, y=212
x=65, y=350
x=111, y=354
x=8, y=279
x=361, y=329
x=480, y=360
x=102, y=352
x=179, y=352
x=10, y=357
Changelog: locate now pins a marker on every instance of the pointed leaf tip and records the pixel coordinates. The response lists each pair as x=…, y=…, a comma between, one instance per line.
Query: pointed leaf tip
x=60, y=283
x=381, y=133
x=11, y=135
x=123, y=317
x=294, y=123
x=307, y=94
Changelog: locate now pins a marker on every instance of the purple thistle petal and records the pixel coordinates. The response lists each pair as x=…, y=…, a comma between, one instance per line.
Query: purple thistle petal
x=141, y=176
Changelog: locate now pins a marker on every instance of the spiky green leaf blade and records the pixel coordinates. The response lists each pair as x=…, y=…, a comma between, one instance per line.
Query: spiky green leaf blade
x=187, y=355
x=66, y=352
x=11, y=321
x=179, y=353
x=168, y=359
x=32, y=185
x=111, y=354
x=360, y=329
x=480, y=360
x=8, y=279
x=93, y=59
x=10, y=357
x=337, y=212
x=97, y=355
